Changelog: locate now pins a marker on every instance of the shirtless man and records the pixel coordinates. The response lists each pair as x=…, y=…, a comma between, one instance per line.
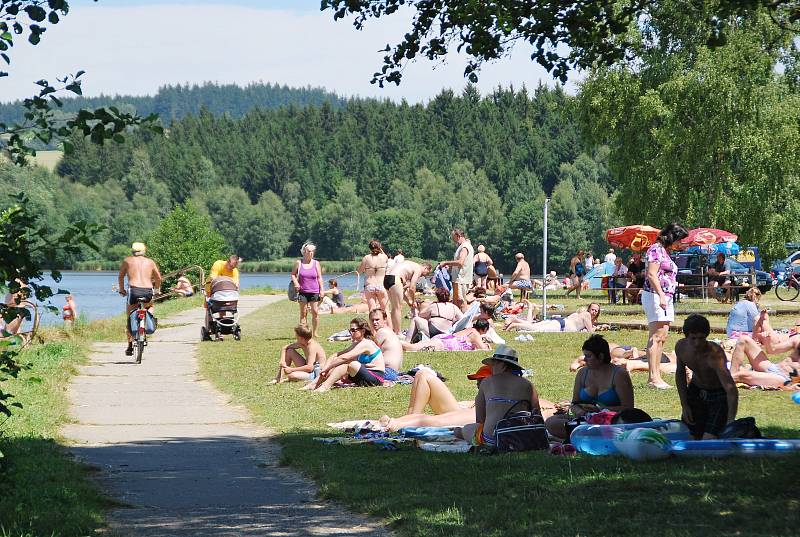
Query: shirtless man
x=143, y=279
x=521, y=277
x=389, y=343
x=400, y=283
x=710, y=400
x=294, y=366
x=374, y=265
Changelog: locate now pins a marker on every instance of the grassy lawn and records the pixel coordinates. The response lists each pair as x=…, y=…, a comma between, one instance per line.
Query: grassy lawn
x=43, y=492
x=427, y=494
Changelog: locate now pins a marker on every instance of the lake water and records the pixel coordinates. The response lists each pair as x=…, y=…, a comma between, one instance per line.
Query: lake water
x=95, y=298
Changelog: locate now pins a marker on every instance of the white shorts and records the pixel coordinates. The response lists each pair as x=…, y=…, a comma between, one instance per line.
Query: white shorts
x=654, y=311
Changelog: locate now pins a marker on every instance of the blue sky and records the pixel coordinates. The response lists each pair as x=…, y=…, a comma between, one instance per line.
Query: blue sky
x=136, y=46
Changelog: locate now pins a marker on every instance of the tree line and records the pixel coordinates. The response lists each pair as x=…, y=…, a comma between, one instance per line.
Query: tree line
x=340, y=176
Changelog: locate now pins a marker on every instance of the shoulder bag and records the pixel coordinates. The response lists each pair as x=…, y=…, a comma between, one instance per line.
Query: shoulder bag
x=521, y=431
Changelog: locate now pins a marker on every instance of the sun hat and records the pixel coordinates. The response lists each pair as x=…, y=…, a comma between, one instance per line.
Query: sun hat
x=138, y=248
x=504, y=353
x=483, y=372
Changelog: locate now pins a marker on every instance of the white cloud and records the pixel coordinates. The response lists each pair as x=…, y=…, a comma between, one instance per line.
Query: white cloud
x=134, y=50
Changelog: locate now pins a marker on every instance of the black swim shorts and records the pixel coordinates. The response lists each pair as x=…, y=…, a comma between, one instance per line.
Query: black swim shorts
x=308, y=297
x=135, y=293
x=389, y=281
x=709, y=410
x=367, y=377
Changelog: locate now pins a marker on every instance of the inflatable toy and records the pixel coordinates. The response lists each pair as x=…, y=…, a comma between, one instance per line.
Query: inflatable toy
x=643, y=445
x=796, y=397
x=757, y=447
x=599, y=439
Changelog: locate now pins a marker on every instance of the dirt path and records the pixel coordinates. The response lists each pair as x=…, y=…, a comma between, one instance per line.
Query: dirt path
x=179, y=456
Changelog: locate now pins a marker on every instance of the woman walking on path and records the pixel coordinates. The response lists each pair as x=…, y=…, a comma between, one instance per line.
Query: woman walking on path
x=660, y=285
x=307, y=279
x=374, y=266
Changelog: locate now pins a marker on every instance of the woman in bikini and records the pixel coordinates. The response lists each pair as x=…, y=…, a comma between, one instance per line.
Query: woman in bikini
x=501, y=392
x=580, y=321
x=374, y=266
x=362, y=361
x=469, y=339
x=437, y=318
x=598, y=386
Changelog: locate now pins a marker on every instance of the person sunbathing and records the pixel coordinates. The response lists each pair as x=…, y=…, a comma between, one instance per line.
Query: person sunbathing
x=631, y=358
x=428, y=390
x=469, y=339
x=294, y=366
x=362, y=362
x=764, y=341
x=505, y=390
x=598, y=386
x=580, y=321
x=329, y=306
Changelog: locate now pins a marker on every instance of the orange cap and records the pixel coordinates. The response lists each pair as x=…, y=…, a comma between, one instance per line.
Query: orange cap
x=482, y=373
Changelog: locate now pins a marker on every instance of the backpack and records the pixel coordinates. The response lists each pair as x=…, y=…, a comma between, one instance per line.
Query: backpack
x=741, y=428
x=520, y=431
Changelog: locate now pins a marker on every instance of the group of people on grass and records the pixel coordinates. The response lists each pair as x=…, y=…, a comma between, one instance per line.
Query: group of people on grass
x=602, y=388
x=706, y=383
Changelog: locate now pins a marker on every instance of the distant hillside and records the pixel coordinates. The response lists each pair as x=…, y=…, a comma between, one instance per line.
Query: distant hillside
x=175, y=102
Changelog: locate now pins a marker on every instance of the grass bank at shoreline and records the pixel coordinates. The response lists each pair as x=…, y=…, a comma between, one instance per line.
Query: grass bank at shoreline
x=427, y=494
x=43, y=491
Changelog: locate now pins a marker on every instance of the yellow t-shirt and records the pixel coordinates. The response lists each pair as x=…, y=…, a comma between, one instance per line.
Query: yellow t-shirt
x=220, y=268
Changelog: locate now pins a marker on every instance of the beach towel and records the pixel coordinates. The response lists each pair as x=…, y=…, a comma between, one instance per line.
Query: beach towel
x=466, y=320
x=441, y=279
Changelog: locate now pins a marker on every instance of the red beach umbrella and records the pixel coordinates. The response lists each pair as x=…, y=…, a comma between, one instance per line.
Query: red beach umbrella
x=706, y=236
x=637, y=238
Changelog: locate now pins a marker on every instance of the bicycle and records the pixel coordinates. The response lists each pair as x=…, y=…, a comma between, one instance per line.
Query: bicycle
x=787, y=286
x=140, y=337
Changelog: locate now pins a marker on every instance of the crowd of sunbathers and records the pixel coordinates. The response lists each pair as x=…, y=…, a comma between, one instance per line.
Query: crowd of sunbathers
x=462, y=319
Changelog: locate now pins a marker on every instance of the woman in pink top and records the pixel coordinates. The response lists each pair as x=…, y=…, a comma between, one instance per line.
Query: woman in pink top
x=660, y=285
x=307, y=280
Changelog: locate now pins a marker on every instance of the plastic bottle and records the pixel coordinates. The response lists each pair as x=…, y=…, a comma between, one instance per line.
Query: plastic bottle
x=316, y=370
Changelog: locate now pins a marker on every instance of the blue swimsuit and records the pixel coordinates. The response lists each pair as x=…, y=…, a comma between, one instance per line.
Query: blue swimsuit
x=608, y=398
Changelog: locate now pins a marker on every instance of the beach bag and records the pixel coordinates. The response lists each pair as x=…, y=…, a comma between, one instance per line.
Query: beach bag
x=520, y=431
x=291, y=292
x=149, y=322
x=741, y=428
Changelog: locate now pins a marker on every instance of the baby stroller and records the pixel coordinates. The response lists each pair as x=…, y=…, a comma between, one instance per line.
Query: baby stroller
x=222, y=316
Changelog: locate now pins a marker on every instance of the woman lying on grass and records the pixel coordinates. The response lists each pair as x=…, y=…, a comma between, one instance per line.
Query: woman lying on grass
x=429, y=390
x=469, y=339
x=580, y=321
x=362, y=362
x=598, y=386
x=631, y=358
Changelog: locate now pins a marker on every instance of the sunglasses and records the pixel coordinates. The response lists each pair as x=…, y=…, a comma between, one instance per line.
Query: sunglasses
x=354, y=330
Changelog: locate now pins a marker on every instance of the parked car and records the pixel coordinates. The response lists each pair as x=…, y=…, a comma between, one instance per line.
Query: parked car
x=689, y=271
x=779, y=265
